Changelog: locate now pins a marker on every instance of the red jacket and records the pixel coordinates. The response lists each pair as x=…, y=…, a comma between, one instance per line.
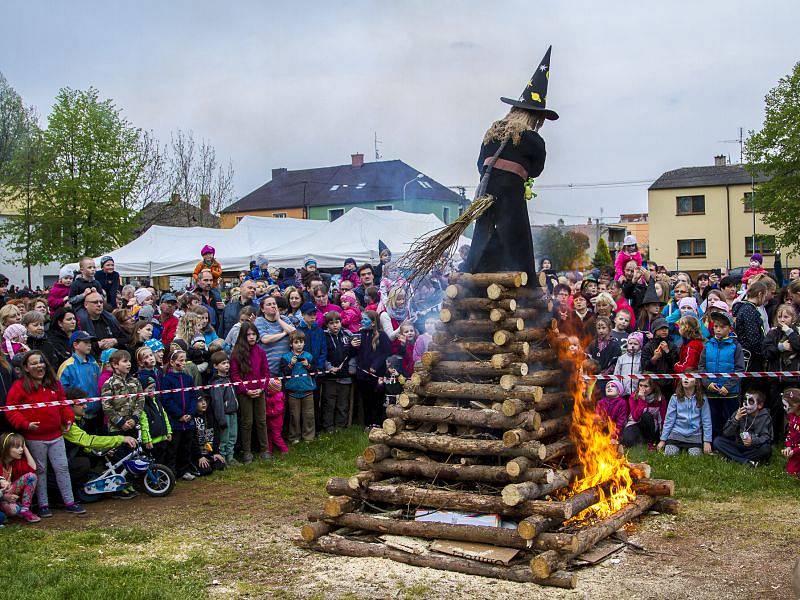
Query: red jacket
x=689, y=356
x=16, y=469
x=57, y=297
x=259, y=369
x=51, y=419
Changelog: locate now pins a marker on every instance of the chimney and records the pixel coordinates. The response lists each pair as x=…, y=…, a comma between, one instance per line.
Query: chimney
x=175, y=198
x=719, y=161
x=357, y=160
x=205, y=202
x=278, y=172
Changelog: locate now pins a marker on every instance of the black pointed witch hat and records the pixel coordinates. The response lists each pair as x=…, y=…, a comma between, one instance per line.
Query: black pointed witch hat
x=650, y=295
x=534, y=97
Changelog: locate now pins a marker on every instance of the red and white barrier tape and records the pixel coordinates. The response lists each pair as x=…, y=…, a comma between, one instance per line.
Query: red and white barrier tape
x=741, y=375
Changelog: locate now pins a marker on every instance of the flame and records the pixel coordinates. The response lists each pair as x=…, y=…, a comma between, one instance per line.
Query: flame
x=598, y=455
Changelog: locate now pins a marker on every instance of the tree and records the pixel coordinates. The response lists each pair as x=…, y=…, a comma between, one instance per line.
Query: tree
x=602, y=257
x=15, y=120
x=775, y=152
x=93, y=172
x=566, y=250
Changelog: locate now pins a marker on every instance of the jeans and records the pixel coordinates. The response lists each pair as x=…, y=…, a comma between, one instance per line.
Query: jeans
x=55, y=452
x=301, y=411
x=738, y=452
x=253, y=409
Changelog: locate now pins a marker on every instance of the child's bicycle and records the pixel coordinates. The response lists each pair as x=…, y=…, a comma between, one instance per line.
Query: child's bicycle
x=135, y=467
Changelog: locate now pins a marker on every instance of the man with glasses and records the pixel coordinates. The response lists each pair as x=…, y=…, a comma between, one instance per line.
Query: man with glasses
x=100, y=324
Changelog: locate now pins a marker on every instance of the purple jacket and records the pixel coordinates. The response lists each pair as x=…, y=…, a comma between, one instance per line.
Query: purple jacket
x=259, y=369
x=615, y=409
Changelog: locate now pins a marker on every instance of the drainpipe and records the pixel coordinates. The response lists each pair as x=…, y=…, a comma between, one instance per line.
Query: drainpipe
x=728, y=219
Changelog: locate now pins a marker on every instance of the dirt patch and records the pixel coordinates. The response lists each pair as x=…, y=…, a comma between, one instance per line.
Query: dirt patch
x=706, y=552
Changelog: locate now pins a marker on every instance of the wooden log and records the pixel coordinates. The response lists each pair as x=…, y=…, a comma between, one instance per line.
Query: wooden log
x=534, y=295
x=419, y=378
x=466, y=416
x=442, y=562
x=640, y=470
x=513, y=279
x=399, y=494
x=655, y=487
x=364, y=476
x=516, y=493
x=529, y=314
x=670, y=506
x=454, y=291
x=503, y=359
x=479, y=368
x=445, y=444
x=547, y=562
x=438, y=470
x=530, y=334
x=515, y=437
x=559, y=448
x=338, y=505
x=468, y=350
x=514, y=405
x=534, y=525
x=477, y=327
x=480, y=391
x=376, y=452
x=407, y=400
x=312, y=531
x=542, y=378
x=480, y=304
x=393, y=425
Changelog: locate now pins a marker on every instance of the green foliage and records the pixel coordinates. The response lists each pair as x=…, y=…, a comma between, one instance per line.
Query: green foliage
x=15, y=121
x=775, y=151
x=566, y=250
x=602, y=256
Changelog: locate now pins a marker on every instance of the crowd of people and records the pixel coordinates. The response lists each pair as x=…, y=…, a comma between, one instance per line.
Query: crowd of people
x=226, y=372
x=222, y=370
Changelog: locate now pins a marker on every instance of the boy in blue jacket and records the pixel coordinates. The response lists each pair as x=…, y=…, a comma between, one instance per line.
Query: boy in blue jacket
x=317, y=347
x=299, y=388
x=722, y=354
x=81, y=371
x=181, y=406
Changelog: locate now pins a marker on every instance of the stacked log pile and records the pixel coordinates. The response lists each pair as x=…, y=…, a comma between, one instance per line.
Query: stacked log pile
x=482, y=427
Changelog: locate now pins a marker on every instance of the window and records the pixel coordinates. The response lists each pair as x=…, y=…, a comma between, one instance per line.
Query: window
x=748, y=202
x=446, y=215
x=691, y=205
x=335, y=213
x=279, y=215
x=334, y=188
x=425, y=185
x=691, y=248
x=765, y=244
x=383, y=207
x=238, y=219
x=360, y=186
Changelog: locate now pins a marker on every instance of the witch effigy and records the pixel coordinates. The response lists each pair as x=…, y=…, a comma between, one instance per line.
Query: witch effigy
x=512, y=154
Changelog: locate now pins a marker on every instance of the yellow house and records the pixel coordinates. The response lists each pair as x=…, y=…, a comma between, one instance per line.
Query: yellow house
x=702, y=218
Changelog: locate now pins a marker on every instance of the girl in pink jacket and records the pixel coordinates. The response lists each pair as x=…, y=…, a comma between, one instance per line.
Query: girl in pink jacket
x=630, y=251
x=351, y=313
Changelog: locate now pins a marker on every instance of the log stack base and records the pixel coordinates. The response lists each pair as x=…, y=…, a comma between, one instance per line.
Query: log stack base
x=482, y=427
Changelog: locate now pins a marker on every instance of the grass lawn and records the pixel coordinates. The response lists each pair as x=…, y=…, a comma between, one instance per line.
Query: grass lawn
x=224, y=527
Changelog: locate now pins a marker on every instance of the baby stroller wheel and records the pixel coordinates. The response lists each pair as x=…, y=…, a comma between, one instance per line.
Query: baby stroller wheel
x=158, y=480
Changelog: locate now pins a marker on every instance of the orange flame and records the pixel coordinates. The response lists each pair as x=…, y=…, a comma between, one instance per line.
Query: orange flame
x=598, y=455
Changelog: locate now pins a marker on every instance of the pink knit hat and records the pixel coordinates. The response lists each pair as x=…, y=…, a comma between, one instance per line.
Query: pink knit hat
x=688, y=301
x=618, y=385
x=638, y=336
x=207, y=250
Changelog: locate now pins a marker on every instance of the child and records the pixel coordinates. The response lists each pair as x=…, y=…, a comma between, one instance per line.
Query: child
x=630, y=251
x=314, y=336
x=299, y=387
x=394, y=380
x=15, y=339
x=148, y=367
x=646, y=411
x=154, y=420
x=42, y=427
x=349, y=272
x=157, y=348
x=205, y=452
x=17, y=478
x=351, y=313
x=605, y=350
x=336, y=389
x=275, y=409
x=747, y=436
x=692, y=347
x=782, y=353
x=630, y=363
x=424, y=339
x=204, y=326
x=659, y=355
x=373, y=348
x=105, y=367
x=208, y=262
x=755, y=268
x=687, y=424
x=791, y=401
x=722, y=354
x=372, y=297
x=250, y=371
x=613, y=407
x=622, y=321
x=81, y=370
x=180, y=405
x=123, y=414
x=224, y=407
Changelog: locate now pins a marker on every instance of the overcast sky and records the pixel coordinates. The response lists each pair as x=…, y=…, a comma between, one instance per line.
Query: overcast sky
x=641, y=87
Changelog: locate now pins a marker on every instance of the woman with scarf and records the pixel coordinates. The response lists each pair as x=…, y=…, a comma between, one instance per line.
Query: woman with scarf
x=395, y=313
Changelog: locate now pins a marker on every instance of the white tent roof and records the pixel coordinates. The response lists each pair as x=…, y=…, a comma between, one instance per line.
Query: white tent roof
x=176, y=250
x=355, y=235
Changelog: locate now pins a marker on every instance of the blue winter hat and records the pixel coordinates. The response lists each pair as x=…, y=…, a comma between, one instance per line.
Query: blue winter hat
x=154, y=345
x=104, y=260
x=309, y=261
x=308, y=308
x=105, y=356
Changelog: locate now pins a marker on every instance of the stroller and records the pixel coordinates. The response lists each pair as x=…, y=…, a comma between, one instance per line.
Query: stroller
x=134, y=467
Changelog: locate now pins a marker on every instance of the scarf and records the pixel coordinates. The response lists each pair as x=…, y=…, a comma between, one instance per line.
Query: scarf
x=399, y=314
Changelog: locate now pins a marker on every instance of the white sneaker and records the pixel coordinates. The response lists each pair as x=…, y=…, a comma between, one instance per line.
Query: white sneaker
x=187, y=477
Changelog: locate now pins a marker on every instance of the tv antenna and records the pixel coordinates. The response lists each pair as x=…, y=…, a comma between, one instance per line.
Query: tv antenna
x=739, y=141
x=377, y=142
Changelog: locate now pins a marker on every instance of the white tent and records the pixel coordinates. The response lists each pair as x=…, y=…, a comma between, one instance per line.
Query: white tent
x=176, y=250
x=355, y=235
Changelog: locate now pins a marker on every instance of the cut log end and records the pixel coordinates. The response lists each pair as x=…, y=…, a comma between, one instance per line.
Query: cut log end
x=312, y=531
x=336, y=506
x=545, y=564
